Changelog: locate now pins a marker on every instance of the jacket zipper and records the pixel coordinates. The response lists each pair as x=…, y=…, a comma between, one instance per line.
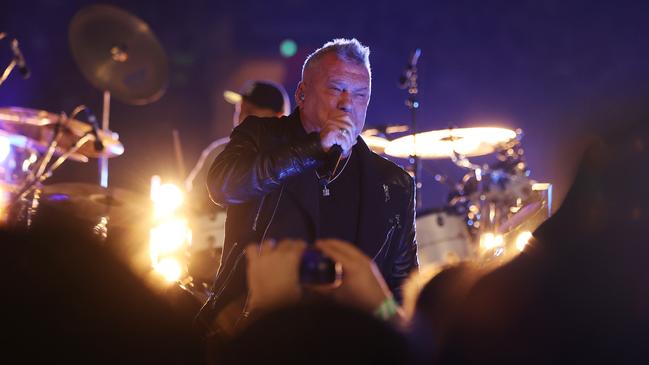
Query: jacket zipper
x=261, y=205
x=244, y=312
x=388, y=238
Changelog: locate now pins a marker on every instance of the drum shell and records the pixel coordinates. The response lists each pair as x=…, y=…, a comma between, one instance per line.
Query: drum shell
x=442, y=238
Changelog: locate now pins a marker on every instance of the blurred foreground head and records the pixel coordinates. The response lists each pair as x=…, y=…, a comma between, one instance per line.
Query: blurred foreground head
x=321, y=332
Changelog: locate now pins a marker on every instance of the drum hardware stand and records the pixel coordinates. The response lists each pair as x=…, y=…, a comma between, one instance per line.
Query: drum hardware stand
x=105, y=120
x=42, y=175
x=408, y=81
x=17, y=60
x=50, y=149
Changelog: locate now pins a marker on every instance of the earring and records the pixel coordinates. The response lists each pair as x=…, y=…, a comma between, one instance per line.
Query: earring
x=302, y=96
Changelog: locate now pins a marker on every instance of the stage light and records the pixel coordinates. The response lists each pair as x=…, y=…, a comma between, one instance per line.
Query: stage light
x=489, y=241
x=167, y=237
x=167, y=198
x=5, y=148
x=523, y=239
x=170, y=269
x=288, y=48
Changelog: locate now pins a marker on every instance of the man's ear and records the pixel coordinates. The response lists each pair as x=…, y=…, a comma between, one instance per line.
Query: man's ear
x=299, y=94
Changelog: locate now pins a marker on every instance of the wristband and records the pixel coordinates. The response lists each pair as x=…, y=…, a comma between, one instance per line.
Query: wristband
x=387, y=309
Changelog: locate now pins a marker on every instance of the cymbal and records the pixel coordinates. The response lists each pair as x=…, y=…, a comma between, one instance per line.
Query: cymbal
x=90, y=202
x=440, y=144
x=39, y=126
x=375, y=143
x=117, y=52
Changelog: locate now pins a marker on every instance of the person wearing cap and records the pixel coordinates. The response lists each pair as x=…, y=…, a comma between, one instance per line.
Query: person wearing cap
x=310, y=176
x=259, y=98
x=207, y=220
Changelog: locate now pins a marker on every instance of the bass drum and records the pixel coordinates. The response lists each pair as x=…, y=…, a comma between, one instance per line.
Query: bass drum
x=442, y=238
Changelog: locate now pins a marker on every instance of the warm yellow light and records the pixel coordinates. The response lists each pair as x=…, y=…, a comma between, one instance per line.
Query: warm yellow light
x=169, y=268
x=523, y=239
x=170, y=235
x=167, y=199
x=490, y=241
x=540, y=186
x=5, y=198
x=167, y=237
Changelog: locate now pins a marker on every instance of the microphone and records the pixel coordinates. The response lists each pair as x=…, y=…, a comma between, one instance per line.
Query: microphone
x=99, y=145
x=20, y=59
x=410, y=69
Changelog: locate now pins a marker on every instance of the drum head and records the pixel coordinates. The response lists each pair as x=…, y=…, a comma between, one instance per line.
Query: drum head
x=442, y=238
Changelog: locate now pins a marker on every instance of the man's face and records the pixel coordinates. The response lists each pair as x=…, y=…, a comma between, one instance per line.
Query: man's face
x=333, y=89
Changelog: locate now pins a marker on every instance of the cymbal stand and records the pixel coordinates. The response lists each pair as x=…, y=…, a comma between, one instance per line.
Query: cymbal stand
x=409, y=81
x=105, y=120
x=51, y=148
x=10, y=67
x=31, y=185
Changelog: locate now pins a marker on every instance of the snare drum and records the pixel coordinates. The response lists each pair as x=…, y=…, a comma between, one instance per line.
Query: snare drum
x=442, y=238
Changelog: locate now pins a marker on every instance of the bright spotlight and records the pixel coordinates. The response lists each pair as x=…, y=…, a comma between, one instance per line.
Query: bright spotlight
x=168, y=236
x=523, y=239
x=169, y=268
x=167, y=198
x=489, y=241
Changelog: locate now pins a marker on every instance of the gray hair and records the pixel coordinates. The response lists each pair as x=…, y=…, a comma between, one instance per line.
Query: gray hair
x=349, y=50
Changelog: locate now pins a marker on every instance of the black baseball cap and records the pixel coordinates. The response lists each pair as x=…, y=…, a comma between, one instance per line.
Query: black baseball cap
x=264, y=94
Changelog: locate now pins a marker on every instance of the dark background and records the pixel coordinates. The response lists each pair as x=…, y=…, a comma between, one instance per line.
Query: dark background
x=546, y=67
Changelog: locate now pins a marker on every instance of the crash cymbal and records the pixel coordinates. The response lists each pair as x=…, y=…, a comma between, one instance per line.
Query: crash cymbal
x=117, y=52
x=40, y=125
x=91, y=202
x=467, y=142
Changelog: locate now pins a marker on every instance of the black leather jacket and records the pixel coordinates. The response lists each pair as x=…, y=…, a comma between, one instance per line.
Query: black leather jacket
x=266, y=163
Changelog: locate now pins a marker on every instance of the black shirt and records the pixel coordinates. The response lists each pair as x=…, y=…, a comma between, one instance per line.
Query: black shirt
x=339, y=211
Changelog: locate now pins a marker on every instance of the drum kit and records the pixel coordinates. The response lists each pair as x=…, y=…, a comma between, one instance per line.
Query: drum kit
x=120, y=56
x=490, y=211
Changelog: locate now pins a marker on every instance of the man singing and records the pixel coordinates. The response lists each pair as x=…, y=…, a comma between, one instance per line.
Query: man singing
x=310, y=175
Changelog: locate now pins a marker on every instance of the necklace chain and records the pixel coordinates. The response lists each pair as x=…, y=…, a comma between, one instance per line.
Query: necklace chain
x=325, y=190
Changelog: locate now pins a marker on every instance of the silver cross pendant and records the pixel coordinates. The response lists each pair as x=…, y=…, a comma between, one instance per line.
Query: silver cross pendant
x=325, y=191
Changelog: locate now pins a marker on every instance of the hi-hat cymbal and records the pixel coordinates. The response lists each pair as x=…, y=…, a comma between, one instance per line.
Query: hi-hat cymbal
x=445, y=143
x=40, y=126
x=90, y=202
x=117, y=51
